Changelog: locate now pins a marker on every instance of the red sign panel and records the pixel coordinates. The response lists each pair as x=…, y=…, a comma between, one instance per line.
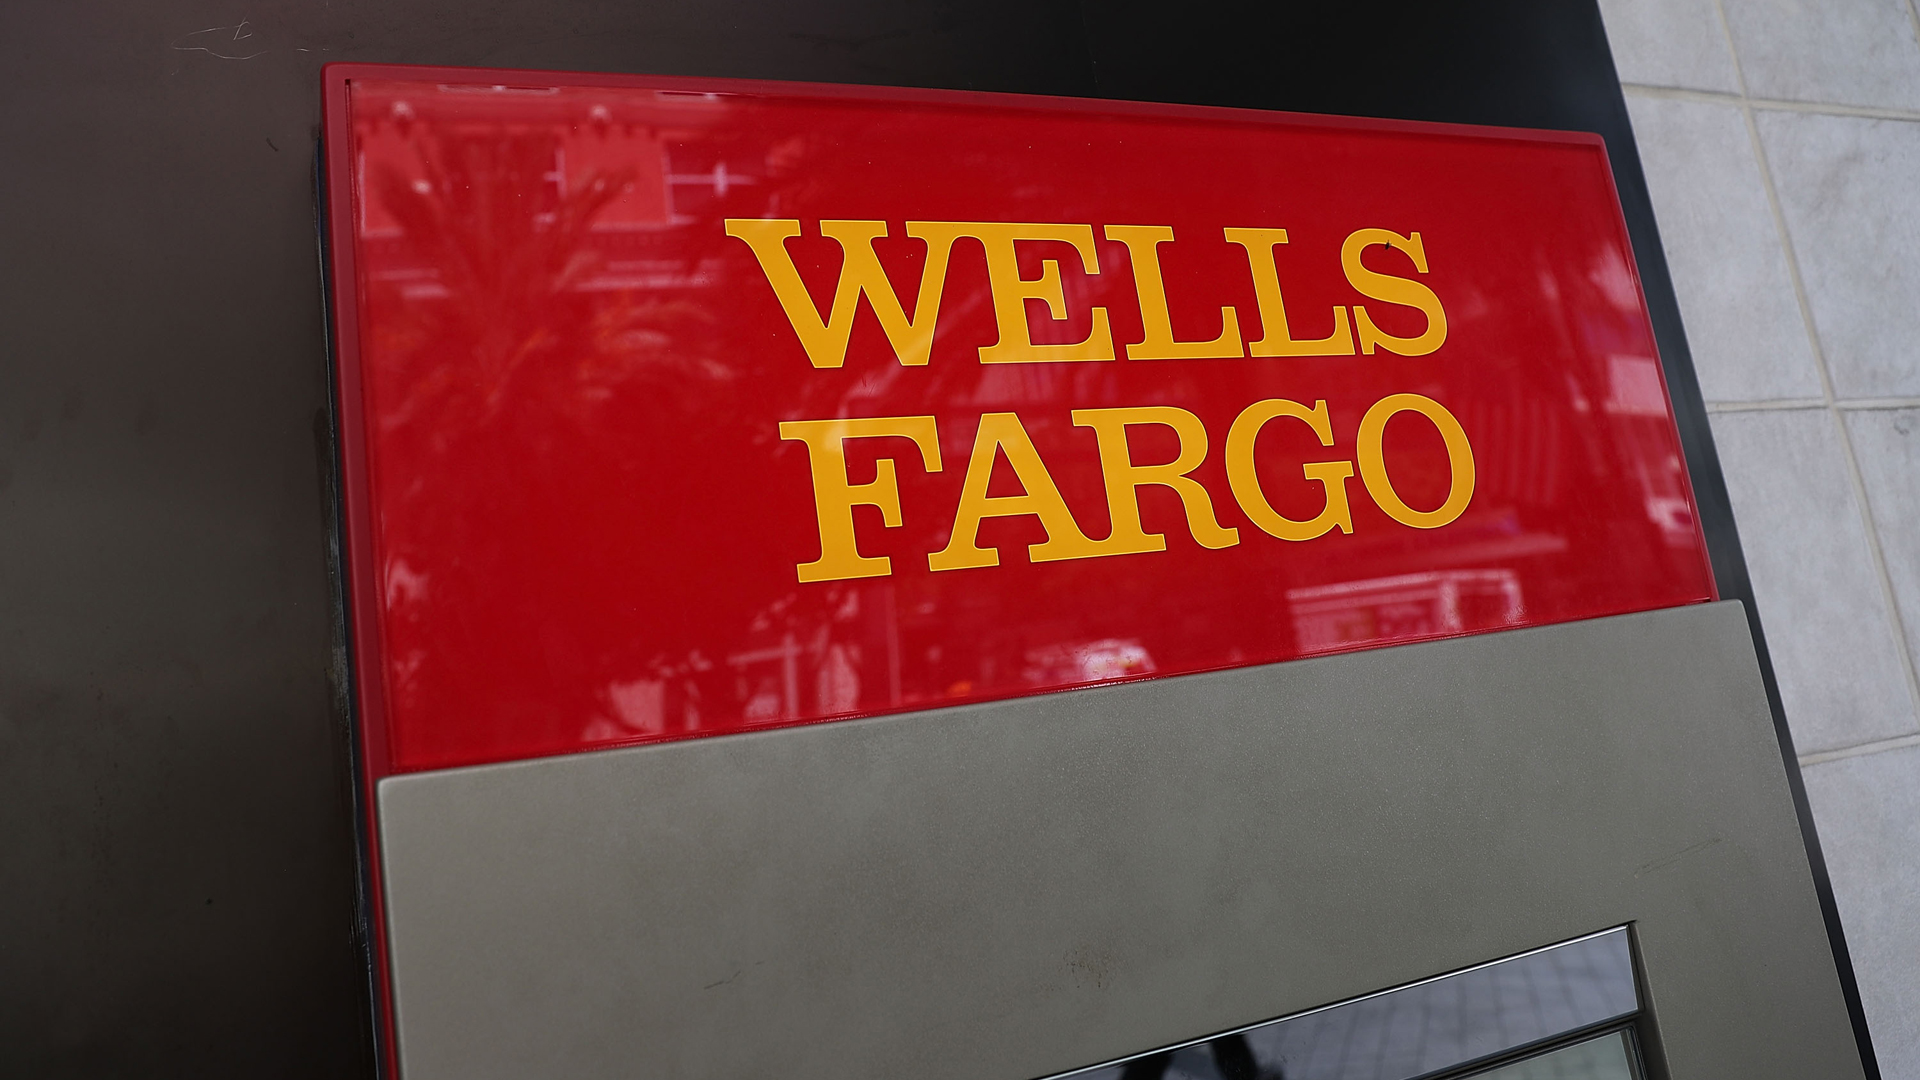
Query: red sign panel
x=674, y=408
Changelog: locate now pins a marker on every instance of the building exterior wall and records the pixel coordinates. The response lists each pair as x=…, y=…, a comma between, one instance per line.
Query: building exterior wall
x=1781, y=144
x=180, y=874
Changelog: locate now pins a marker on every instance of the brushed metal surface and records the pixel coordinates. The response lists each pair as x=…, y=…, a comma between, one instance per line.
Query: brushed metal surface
x=1018, y=888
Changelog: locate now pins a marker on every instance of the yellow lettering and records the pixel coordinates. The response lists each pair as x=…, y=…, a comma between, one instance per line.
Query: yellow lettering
x=834, y=498
x=860, y=273
x=1002, y=432
x=1011, y=291
x=1392, y=290
x=1373, y=464
x=1245, y=481
x=1143, y=244
x=1276, y=340
x=1124, y=478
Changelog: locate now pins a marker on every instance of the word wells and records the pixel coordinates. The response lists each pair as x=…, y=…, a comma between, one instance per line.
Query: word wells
x=825, y=337
x=1002, y=434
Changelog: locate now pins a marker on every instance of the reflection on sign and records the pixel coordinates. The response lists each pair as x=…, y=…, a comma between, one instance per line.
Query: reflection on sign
x=688, y=408
x=1329, y=618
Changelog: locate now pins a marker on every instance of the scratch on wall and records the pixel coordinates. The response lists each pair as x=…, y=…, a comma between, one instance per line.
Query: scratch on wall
x=226, y=42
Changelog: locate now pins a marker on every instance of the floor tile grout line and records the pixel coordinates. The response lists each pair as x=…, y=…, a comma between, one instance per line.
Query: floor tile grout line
x=1790, y=404
x=1913, y=16
x=1774, y=405
x=1721, y=97
x=1865, y=749
x=1733, y=51
x=1896, y=621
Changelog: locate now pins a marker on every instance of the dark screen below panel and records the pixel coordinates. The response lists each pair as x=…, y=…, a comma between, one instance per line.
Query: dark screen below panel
x=1447, y=1024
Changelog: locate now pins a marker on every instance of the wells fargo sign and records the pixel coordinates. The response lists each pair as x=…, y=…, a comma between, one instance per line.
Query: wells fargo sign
x=676, y=408
x=1002, y=435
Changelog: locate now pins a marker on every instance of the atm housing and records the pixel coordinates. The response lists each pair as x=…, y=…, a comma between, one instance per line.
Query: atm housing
x=1087, y=809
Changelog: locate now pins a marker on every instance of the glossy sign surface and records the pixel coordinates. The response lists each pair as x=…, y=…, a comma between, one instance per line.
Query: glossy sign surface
x=674, y=408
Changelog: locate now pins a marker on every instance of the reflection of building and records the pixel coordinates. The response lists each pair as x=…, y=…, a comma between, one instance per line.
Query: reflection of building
x=653, y=147
x=1087, y=662
x=779, y=678
x=1635, y=390
x=1404, y=608
x=790, y=677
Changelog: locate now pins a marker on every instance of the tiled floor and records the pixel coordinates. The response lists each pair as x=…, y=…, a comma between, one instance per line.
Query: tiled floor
x=1829, y=628
x=1781, y=144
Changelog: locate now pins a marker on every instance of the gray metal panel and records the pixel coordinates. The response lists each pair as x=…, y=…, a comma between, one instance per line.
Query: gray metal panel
x=1023, y=887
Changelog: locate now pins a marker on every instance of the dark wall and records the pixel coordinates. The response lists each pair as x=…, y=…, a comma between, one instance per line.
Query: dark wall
x=178, y=879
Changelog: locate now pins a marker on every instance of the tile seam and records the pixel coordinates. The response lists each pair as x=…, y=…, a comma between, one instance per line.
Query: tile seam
x=1789, y=404
x=1775, y=405
x=1721, y=97
x=1866, y=749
